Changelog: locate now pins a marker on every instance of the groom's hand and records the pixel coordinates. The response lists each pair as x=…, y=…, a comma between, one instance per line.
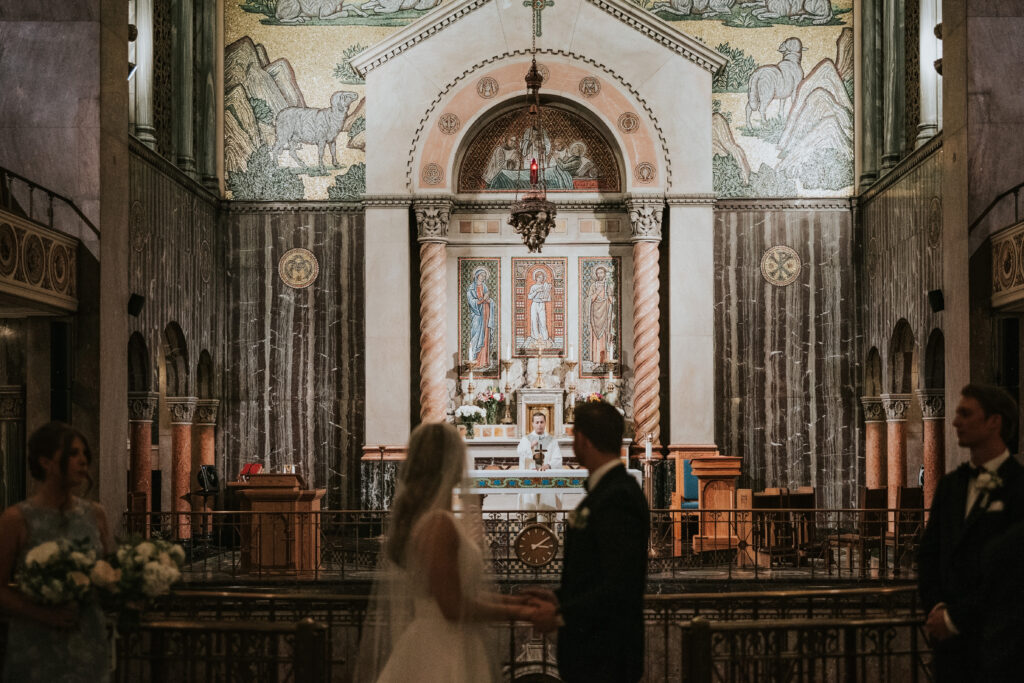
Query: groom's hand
x=935, y=626
x=546, y=616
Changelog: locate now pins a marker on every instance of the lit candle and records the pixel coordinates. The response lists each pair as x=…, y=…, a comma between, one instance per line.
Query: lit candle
x=611, y=376
x=647, y=449
x=572, y=352
x=508, y=352
x=471, y=377
x=533, y=172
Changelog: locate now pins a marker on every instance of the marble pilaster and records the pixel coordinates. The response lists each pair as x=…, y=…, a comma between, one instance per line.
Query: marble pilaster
x=933, y=412
x=142, y=407
x=182, y=410
x=870, y=92
x=183, y=75
x=645, y=216
x=12, y=444
x=928, y=51
x=432, y=234
x=893, y=69
x=896, y=408
x=874, y=442
x=143, y=78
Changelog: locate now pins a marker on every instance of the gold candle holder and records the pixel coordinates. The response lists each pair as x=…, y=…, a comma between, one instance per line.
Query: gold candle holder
x=537, y=384
x=570, y=413
x=507, y=418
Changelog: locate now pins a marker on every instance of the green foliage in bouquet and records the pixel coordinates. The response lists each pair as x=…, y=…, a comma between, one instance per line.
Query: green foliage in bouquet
x=57, y=572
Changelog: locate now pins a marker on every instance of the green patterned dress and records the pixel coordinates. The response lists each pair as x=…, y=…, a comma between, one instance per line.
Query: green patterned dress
x=39, y=653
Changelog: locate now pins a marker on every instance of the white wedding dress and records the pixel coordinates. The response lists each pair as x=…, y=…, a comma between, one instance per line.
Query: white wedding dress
x=431, y=648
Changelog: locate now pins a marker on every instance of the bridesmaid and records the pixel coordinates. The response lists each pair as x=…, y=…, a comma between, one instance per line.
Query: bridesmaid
x=66, y=643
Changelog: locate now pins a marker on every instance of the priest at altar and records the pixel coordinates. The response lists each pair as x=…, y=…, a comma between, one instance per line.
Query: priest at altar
x=539, y=450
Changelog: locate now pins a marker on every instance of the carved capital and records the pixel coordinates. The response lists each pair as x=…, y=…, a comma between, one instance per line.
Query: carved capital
x=933, y=403
x=206, y=411
x=432, y=220
x=12, y=402
x=873, y=410
x=896, y=406
x=645, y=218
x=142, y=405
x=182, y=409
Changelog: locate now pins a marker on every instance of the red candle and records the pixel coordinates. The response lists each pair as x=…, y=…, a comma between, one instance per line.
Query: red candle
x=533, y=172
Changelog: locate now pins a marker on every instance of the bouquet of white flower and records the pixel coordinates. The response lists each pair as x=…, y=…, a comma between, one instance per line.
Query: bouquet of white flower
x=470, y=414
x=140, y=569
x=57, y=572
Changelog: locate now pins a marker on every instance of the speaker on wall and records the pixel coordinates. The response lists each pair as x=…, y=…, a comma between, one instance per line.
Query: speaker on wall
x=135, y=304
x=935, y=300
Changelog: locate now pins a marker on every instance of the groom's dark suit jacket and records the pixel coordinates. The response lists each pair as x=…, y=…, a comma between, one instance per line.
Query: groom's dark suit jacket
x=951, y=567
x=603, y=582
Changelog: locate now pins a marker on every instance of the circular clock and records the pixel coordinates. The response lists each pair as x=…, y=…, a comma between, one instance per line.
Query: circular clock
x=536, y=545
x=780, y=265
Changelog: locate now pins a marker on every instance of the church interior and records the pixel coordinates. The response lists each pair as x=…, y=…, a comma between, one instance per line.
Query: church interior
x=253, y=243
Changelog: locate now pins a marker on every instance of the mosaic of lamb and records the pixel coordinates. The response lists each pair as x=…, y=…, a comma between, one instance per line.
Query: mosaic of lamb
x=299, y=11
x=775, y=81
x=707, y=8
x=303, y=125
x=818, y=11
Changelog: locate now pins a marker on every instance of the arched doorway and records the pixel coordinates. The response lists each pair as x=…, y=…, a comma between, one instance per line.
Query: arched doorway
x=180, y=412
x=875, y=474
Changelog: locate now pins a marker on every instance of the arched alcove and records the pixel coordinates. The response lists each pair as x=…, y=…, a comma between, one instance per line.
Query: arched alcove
x=139, y=371
x=902, y=370
x=176, y=355
x=873, y=373
x=204, y=375
x=935, y=361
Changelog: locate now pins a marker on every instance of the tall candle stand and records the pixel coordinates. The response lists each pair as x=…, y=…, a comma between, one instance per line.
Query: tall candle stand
x=570, y=414
x=537, y=384
x=507, y=418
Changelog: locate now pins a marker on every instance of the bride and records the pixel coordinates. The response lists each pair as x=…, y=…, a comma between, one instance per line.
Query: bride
x=425, y=621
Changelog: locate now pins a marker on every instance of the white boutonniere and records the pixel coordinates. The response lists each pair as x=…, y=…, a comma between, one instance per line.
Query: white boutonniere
x=578, y=518
x=988, y=483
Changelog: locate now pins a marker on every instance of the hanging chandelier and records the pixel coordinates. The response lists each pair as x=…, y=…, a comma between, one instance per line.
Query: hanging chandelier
x=533, y=216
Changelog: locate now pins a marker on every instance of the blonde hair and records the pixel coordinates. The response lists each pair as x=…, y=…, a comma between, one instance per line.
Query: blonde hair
x=435, y=463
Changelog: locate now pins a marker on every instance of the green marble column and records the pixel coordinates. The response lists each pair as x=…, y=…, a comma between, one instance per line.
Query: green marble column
x=894, y=97
x=871, y=95
x=183, y=78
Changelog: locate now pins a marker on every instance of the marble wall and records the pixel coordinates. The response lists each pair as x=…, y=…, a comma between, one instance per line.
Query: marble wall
x=293, y=358
x=787, y=356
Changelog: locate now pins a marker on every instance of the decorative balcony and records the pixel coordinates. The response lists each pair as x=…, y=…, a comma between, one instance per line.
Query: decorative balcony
x=1008, y=268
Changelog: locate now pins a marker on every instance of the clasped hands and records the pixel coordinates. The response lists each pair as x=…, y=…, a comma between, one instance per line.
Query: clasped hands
x=539, y=606
x=935, y=626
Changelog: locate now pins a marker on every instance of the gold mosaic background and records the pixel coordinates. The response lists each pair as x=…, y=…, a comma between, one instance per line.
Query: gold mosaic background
x=294, y=54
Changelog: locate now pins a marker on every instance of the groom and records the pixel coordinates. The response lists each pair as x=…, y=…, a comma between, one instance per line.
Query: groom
x=598, y=610
x=973, y=505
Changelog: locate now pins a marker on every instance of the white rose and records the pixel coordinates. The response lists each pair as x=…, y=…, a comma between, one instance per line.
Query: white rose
x=178, y=553
x=123, y=553
x=164, y=558
x=144, y=551
x=104, y=575
x=49, y=594
x=42, y=553
x=79, y=579
x=81, y=559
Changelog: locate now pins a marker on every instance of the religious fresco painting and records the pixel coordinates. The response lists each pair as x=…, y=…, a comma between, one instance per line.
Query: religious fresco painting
x=479, y=317
x=576, y=157
x=538, y=307
x=600, y=310
x=295, y=110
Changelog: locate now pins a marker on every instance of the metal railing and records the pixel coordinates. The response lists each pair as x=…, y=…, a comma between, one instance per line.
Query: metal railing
x=341, y=545
x=180, y=651
x=18, y=193
x=840, y=650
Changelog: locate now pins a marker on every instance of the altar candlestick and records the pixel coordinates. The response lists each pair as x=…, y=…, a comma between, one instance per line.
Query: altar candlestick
x=572, y=352
x=508, y=352
x=647, y=449
x=470, y=377
x=611, y=375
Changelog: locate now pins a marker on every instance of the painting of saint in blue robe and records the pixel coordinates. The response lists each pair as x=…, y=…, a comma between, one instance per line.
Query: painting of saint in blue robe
x=483, y=319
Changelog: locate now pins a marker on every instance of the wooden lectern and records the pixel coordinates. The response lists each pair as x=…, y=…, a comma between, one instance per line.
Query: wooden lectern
x=283, y=536
x=716, y=476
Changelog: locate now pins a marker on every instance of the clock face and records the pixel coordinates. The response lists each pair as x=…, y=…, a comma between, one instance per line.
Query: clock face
x=536, y=545
x=780, y=265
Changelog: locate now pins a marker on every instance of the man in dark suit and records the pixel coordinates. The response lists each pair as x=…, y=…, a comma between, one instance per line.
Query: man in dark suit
x=973, y=505
x=598, y=610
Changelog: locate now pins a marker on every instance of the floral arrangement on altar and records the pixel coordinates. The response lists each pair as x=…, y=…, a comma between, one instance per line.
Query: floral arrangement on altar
x=469, y=416
x=592, y=397
x=490, y=400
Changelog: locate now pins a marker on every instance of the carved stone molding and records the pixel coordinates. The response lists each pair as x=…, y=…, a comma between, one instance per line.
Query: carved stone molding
x=182, y=409
x=206, y=411
x=12, y=402
x=645, y=218
x=563, y=206
x=896, y=406
x=873, y=410
x=905, y=166
x=231, y=206
x=933, y=403
x=392, y=200
x=38, y=263
x=432, y=218
x=690, y=199
x=142, y=405
x=761, y=204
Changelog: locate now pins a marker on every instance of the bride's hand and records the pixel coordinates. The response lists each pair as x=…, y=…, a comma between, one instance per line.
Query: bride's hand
x=523, y=612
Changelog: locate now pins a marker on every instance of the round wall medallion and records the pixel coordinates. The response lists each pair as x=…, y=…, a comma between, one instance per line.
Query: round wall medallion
x=780, y=265
x=59, y=268
x=298, y=268
x=644, y=172
x=205, y=261
x=629, y=122
x=8, y=250
x=487, y=87
x=448, y=123
x=34, y=258
x=589, y=86
x=432, y=174
x=544, y=73
x=1006, y=264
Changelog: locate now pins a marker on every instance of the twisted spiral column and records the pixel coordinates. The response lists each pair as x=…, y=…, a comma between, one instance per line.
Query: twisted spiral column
x=645, y=219
x=432, y=233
